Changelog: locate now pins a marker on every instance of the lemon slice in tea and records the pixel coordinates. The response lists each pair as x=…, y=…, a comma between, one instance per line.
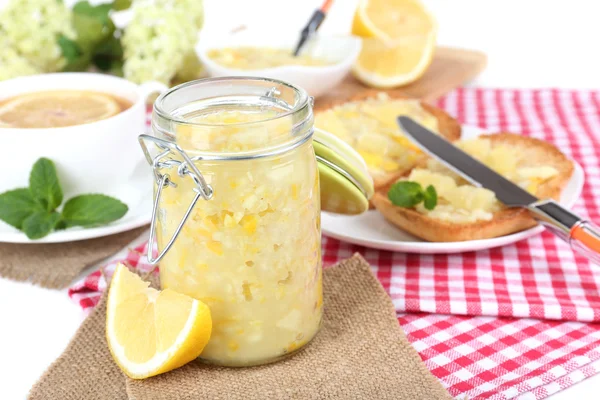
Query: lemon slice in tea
x=54, y=109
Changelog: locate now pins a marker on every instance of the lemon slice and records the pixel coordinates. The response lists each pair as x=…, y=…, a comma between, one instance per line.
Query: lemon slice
x=150, y=332
x=57, y=109
x=399, y=41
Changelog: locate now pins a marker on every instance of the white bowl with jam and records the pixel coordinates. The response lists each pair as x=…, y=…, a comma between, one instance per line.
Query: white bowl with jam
x=322, y=64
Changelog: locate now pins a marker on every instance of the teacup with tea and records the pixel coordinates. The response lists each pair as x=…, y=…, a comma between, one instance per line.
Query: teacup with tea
x=86, y=123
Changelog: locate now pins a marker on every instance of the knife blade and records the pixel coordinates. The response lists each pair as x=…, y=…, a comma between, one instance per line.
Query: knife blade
x=465, y=165
x=582, y=235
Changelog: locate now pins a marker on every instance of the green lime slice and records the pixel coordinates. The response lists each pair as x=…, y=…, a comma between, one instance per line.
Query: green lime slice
x=338, y=194
x=357, y=166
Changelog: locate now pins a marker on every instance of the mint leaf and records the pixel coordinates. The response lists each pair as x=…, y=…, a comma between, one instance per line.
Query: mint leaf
x=92, y=23
x=108, y=54
x=92, y=209
x=90, y=31
x=116, y=68
x=430, y=198
x=40, y=224
x=16, y=205
x=121, y=4
x=60, y=225
x=405, y=194
x=72, y=53
x=99, y=12
x=44, y=185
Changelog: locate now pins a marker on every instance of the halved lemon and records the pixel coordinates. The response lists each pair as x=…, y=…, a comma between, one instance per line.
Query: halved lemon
x=53, y=109
x=399, y=41
x=150, y=332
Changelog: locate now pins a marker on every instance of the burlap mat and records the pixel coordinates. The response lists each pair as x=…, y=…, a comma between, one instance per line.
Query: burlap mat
x=56, y=265
x=360, y=353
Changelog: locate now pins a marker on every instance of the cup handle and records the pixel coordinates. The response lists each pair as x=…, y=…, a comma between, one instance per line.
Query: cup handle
x=148, y=88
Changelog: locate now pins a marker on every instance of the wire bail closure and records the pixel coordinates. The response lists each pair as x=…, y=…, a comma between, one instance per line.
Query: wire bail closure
x=185, y=168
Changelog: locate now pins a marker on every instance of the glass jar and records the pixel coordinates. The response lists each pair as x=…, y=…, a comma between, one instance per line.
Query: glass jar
x=237, y=212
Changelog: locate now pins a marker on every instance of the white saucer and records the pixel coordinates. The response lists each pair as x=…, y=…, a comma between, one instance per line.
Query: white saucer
x=372, y=230
x=137, y=194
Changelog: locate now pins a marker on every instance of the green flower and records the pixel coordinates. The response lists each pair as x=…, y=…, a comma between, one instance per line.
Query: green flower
x=159, y=39
x=13, y=64
x=30, y=29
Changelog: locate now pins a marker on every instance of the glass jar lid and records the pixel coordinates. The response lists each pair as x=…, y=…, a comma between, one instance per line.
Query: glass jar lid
x=234, y=117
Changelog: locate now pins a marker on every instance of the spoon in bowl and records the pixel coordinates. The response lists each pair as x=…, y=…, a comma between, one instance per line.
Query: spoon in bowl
x=313, y=24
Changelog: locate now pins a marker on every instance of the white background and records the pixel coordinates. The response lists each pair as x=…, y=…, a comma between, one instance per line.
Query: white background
x=530, y=43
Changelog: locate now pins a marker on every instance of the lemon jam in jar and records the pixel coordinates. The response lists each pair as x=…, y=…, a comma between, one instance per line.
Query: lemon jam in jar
x=237, y=212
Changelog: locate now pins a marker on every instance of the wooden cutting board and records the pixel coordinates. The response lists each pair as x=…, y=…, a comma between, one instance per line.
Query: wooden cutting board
x=450, y=68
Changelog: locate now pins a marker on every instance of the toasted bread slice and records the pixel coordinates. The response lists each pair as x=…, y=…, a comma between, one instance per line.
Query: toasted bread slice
x=447, y=127
x=504, y=221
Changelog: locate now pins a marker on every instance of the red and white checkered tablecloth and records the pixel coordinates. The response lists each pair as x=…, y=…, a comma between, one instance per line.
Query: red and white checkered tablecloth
x=517, y=322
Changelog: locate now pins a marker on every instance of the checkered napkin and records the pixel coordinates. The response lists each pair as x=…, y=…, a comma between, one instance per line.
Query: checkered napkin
x=525, y=318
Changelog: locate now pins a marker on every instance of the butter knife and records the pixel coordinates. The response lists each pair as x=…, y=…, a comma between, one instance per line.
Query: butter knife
x=583, y=236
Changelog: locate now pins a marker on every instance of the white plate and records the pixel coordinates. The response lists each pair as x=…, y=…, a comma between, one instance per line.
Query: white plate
x=137, y=194
x=372, y=230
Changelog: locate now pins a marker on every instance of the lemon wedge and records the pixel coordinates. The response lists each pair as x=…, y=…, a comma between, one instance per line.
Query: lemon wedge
x=399, y=42
x=57, y=109
x=150, y=332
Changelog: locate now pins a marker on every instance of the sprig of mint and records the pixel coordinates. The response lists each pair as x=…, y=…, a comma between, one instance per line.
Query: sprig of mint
x=33, y=209
x=408, y=194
